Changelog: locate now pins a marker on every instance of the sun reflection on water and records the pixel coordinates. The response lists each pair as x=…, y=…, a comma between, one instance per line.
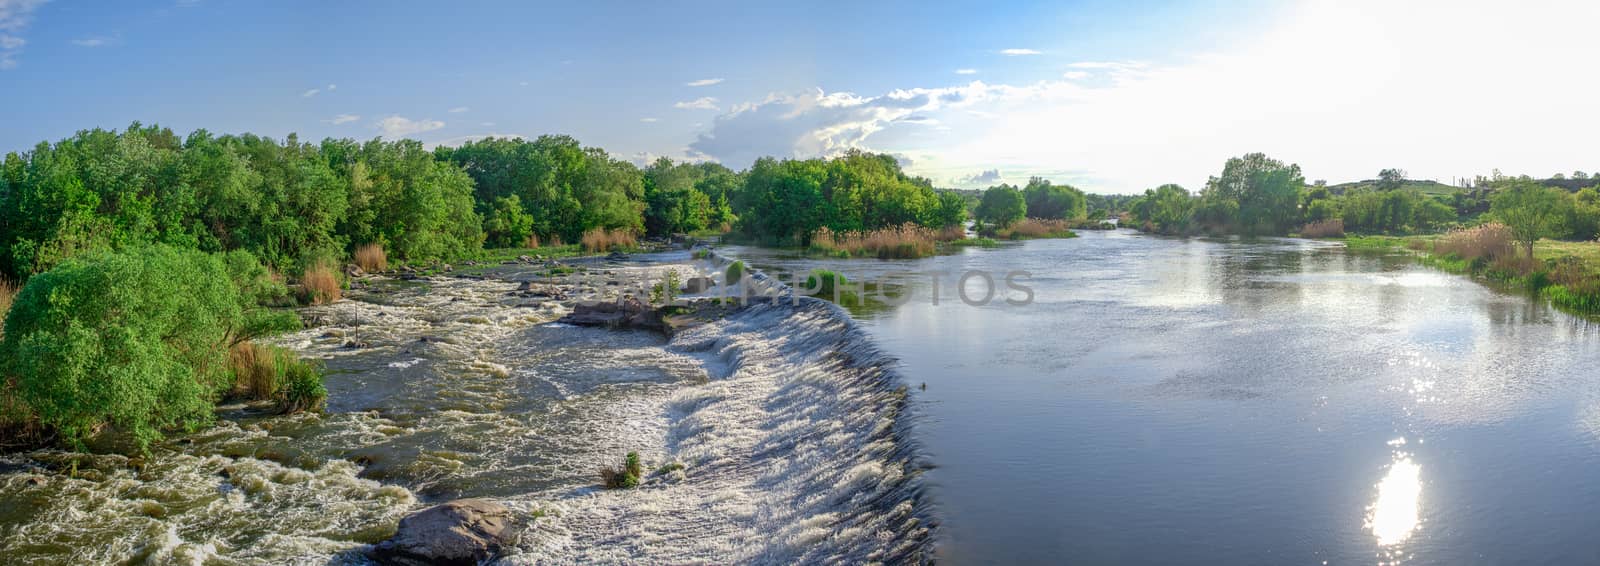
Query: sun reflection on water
x=1393, y=516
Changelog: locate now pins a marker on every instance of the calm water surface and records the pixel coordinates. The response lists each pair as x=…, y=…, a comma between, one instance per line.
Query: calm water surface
x=1252, y=402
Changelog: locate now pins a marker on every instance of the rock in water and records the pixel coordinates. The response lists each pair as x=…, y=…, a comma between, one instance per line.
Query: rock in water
x=698, y=285
x=464, y=531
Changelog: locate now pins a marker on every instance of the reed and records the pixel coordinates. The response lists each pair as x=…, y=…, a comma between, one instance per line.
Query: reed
x=371, y=258
x=1038, y=228
x=8, y=294
x=1331, y=228
x=899, y=242
x=603, y=240
x=320, y=283
x=1486, y=242
x=532, y=241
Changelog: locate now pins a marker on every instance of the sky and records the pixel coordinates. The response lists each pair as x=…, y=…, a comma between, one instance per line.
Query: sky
x=1112, y=97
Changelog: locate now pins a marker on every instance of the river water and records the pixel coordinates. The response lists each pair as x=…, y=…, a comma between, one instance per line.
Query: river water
x=1158, y=401
x=1191, y=401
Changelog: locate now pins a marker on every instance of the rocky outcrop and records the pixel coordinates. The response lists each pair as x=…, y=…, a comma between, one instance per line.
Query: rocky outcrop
x=698, y=285
x=464, y=532
x=628, y=313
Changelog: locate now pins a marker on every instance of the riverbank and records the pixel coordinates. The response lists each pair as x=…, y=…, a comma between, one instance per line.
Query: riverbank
x=1567, y=274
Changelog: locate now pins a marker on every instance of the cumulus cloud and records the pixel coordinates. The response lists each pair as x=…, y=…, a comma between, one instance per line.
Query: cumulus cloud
x=1075, y=75
x=702, y=103
x=1014, y=52
x=310, y=93
x=1319, y=87
x=966, y=71
x=15, y=15
x=458, y=110
x=343, y=118
x=821, y=123
x=647, y=120
x=400, y=126
x=984, y=178
x=703, y=82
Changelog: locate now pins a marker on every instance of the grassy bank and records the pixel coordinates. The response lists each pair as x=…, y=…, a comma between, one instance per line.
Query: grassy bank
x=1565, y=273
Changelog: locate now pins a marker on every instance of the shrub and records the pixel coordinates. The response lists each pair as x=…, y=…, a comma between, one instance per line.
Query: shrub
x=270, y=373
x=666, y=290
x=1331, y=228
x=371, y=258
x=603, y=240
x=136, y=340
x=532, y=241
x=735, y=272
x=701, y=253
x=320, y=283
x=625, y=477
x=823, y=282
x=1486, y=242
x=1036, y=228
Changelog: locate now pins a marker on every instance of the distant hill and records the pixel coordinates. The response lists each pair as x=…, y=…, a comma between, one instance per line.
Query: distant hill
x=1426, y=187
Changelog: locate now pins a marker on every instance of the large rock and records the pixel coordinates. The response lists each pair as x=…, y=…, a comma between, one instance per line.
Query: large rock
x=698, y=285
x=464, y=531
x=629, y=313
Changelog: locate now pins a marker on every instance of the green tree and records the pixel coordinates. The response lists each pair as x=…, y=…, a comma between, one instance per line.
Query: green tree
x=1167, y=209
x=1254, y=195
x=1045, y=200
x=508, y=224
x=1002, y=205
x=137, y=340
x=1530, y=210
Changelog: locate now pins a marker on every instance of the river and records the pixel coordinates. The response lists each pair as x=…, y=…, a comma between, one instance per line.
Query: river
x=1159, y=400
x=1279, y=401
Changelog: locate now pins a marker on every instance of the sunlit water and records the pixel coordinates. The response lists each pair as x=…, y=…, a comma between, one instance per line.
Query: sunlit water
x=1193, y=401
x=785, y=424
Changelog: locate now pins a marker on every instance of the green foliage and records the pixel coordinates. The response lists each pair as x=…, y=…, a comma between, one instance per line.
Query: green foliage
x=137, y=340
x=735, y=272
x=1001, y=206
x=1166, y=209
x=625, y=478
x=1045, y=200
x=508, y=224
x=666, y=290
x=1393, y=211
x=1531, y=211
x=825, y=283
x=566, y=188
x=1262, y=193
x=787, y=201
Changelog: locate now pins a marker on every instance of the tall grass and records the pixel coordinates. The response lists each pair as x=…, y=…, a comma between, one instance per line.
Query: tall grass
x=1331, y=228
x=532, y=241
x=8, y=293
x=1486, y=243
x=1037, y=228
x=603, y=240
x=951, y=233
x=320, y=283
x=371, y=258
x=905, y=241
x=270, y=373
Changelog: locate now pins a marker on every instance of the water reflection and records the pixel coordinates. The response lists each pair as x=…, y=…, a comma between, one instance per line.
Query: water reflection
x=1393, y=516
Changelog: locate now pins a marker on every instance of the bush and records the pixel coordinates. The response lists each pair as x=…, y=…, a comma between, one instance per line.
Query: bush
x=603, y=240
x=320, y=283
x=135, y=340
x=735, y=272
x=823, y=283
x=1331, y=228
x=1036, y=228
x=666, y=291
x=371, y=258
x=270, y=373
x=626, y=477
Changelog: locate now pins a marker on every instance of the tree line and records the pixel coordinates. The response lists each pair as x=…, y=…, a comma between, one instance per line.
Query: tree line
x=293, y=204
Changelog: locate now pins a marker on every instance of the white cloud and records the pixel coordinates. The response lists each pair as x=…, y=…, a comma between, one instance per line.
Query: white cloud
x=486, y=124
x=966, y=71
x=702, y=103
x=310, y=93
x=984, y=178
x=15, y=15
x=96, y=41
x=1436, y=87
x=1013, y=52
x=400, y=126
x=458, y=110
x=703, y=82
x=343, y=118
x=523, y=83
x=333, y=87
x=647, y=120
x=1075, y=75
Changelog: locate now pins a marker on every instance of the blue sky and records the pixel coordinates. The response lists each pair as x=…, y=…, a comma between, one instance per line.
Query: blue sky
x=1111, y=96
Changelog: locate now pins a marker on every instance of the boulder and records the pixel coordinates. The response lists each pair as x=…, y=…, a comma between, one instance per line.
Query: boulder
x=354, y=271
x=629, y=313
x=464, y=531
x=698, y=285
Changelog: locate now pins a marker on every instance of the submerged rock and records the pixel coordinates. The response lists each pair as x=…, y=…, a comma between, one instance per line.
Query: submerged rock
x=629, y=313
x=698, y=285
x=464, y=531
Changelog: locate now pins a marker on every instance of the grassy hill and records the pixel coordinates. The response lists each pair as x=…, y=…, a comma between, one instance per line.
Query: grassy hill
x=1426, y=187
